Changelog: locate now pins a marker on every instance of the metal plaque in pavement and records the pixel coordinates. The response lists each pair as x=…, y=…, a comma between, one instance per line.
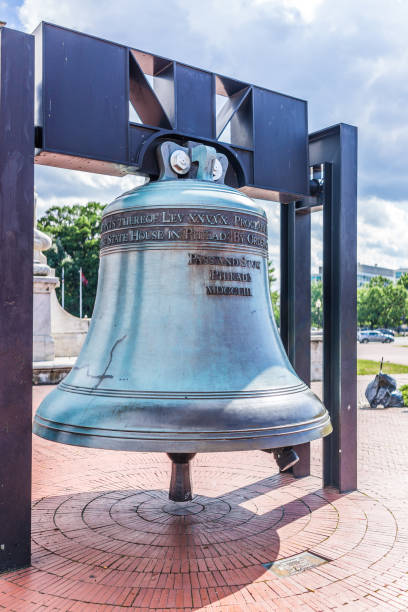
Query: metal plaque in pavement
x=295, y=564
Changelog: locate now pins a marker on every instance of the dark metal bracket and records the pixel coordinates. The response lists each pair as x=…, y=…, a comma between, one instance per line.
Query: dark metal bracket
x=315, y=201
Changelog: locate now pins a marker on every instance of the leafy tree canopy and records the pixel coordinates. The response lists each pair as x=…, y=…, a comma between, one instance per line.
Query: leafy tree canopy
x=403, y=281
x=75, y=232
x=380, y=303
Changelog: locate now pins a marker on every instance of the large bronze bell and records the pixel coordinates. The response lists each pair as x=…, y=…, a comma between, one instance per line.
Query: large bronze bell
x=183, y=354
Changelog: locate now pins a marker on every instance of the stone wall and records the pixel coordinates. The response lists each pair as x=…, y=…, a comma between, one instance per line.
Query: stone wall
x=69, y=332
x=316, y=357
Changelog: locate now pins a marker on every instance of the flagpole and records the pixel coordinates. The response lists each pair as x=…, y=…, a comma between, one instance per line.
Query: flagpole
x=63, y=287
x=80, y=293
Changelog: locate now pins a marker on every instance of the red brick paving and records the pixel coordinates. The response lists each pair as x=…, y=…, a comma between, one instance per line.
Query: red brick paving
x=105, y=537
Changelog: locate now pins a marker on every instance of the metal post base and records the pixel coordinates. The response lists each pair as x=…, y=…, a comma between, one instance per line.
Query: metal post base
x=180, y=483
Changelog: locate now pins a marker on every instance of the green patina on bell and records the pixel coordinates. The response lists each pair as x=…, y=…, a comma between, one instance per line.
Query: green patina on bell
x=183, y=354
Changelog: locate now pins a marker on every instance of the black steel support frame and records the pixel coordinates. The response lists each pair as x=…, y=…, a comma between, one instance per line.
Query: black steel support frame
x=16, y=294
x=295, y=302
x=173, y=101
x=339, y=302
x=336, y=150
x=295, y=315
x=335, y=146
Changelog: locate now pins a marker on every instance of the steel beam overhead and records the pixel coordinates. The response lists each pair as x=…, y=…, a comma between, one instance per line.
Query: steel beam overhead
x=87, y=127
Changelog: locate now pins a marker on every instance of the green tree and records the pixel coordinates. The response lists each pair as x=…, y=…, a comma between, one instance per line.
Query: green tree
x=316, y=294
x=273, y=292
x=403, y=280
x=369, y=306
x=395, y=305
x=75, y=232
x=380, y=303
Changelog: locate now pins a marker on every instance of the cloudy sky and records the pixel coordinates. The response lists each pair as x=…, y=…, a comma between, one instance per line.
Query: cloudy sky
x=348, y=58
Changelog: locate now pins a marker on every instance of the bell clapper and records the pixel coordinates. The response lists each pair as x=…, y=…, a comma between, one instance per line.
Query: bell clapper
x=180, y=483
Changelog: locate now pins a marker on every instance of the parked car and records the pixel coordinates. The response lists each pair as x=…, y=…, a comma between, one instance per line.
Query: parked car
x=373, y=336
x=389, y=332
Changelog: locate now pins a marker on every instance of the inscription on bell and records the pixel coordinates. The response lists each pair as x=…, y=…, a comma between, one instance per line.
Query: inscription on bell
x=184, y=225
x=222, y=290
x=220, y=275
x=226, y=275
x=219, y=260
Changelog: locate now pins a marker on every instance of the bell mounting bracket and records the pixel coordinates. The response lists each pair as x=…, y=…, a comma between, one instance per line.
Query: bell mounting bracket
x=193, y=161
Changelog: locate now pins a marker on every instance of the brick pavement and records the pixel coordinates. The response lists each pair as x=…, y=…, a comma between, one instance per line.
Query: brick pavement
x=105, y=536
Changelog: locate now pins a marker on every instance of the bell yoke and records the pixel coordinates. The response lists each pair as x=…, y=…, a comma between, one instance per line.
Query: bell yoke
x=183, y=354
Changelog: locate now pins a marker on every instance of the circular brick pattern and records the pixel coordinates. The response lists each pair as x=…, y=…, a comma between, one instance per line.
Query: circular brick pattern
x=151, y=512
x=180, y=509
x=132, y=548
x=89, y=558
x=253, y=516
x=158, y=508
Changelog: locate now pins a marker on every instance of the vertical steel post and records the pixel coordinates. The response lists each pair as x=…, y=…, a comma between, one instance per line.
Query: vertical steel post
x=287, y=279
x=16, y=293
x=340, y=308
x=302, y=320
x=295, y=303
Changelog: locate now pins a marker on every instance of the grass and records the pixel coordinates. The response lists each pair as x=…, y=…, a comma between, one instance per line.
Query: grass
x=366, y=366
x=404, y=391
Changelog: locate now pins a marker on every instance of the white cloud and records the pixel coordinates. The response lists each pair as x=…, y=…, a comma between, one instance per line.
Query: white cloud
x=382, y=229
x=58, y=187
x=308, y=10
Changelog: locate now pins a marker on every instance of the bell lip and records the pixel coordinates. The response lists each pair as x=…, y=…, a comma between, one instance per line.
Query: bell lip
x=255, y=439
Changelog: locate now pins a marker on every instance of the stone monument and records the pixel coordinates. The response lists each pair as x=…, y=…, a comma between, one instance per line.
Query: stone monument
x=57, y=335
x=45, y=283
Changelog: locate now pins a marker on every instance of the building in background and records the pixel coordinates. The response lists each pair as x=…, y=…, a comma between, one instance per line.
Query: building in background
x=400, y=272
x=366, y=273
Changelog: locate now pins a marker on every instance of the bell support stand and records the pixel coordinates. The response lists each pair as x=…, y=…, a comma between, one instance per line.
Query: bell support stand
x=89, y=129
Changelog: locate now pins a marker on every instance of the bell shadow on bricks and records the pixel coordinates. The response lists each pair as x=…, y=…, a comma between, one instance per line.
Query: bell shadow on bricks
x=135, y=548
